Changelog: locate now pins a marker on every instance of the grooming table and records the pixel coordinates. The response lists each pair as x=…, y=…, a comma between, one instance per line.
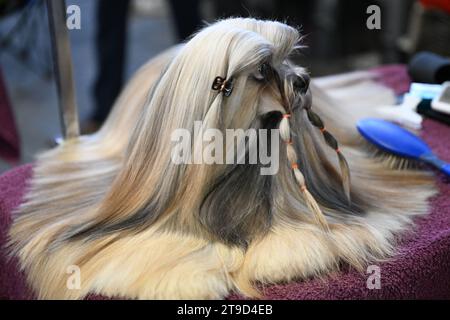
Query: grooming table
x=420, y=270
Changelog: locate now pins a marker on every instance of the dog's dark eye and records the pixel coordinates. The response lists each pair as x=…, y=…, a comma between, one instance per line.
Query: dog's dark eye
x=301, y=83
x=263, y=72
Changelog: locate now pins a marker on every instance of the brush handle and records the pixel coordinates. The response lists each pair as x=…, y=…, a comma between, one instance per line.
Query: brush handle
x=432, y=159
x=446, y=169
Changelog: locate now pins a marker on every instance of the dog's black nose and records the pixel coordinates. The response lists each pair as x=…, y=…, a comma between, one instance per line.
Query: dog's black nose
x=301, y=83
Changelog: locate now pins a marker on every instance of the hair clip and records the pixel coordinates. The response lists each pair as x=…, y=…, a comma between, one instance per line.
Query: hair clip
x=222, y=85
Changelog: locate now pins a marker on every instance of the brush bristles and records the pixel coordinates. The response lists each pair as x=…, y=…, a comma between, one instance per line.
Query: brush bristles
x=390, y=160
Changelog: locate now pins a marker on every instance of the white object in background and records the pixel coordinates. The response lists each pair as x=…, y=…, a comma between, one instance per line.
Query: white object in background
x=425, y=90
x=441, y=102
x=404, y=114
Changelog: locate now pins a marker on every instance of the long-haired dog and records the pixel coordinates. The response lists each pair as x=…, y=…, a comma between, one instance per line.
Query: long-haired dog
x=139, y=226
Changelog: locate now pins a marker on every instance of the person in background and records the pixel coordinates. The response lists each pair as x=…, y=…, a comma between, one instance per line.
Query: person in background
x=111, y=38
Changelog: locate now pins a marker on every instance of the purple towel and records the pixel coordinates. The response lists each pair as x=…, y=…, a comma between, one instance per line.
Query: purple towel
x=421, y=269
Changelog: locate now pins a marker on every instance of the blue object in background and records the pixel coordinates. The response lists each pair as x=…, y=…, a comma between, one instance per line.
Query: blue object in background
x=398, y=141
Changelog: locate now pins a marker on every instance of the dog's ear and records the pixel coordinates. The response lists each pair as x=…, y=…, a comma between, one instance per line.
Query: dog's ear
x=332, y=143
x=322, y=178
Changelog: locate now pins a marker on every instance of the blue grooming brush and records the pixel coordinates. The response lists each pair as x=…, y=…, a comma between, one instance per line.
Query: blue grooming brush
x=395, y=140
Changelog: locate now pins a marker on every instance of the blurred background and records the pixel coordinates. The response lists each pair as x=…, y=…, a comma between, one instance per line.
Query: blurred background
x=118, y=36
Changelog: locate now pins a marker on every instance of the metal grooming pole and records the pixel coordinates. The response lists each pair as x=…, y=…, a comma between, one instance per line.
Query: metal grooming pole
x=56, y=10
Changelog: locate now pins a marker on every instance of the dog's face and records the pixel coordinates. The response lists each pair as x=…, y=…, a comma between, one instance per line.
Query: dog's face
x=280, y=88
